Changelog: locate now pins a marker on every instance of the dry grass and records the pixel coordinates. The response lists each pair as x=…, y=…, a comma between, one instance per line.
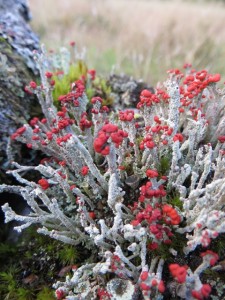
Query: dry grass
x=143, y=38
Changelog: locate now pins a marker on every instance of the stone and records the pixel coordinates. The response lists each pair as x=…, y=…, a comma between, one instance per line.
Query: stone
x=17, y=68
x=126, y=90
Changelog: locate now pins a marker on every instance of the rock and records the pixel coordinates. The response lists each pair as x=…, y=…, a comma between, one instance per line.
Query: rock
x=14, y=15
x=17, y=68
x=121, y=289
x=126, y=90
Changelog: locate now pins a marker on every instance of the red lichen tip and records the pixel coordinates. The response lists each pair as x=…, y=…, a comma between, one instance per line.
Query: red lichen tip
x=92, y=73
x=178, y=137
x=59, y=294
x=92, y=215
x=146, y=93
x=213, y=256
x=126, y=116
x=144, y=275
x=72, y=43
x=48, y=75
x=204, y=292
x=152, y=173
x=96, y=99
x=84, y=170
x=33, y=85
x=43, y=183
x=179, y=272
x=221, y=138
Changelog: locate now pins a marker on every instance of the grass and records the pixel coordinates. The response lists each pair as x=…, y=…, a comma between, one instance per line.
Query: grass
x=141, y=38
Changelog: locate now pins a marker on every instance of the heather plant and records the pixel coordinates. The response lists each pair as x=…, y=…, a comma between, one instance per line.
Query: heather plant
x=142, y=188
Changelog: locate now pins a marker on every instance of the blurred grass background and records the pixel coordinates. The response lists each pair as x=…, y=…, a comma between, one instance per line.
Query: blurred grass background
x=142, y=38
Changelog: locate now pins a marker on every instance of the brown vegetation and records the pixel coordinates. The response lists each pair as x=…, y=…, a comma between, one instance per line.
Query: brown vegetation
x=143, y=38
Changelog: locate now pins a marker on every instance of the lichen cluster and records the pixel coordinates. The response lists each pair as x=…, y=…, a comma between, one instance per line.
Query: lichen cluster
x=143, y=188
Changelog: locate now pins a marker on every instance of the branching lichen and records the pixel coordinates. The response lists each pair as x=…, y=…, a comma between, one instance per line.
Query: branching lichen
x=108, y=182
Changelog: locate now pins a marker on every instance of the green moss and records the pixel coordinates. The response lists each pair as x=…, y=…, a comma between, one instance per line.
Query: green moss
x=210, y=273
x=101, y=86
x=98, y=87
x=163, y=251
x=44, y=257
x=46, y=294
x=179, y=241
x=6, y=251
x=24, y=294
x=8, y=284
x=5, y=46
x=218, y=245
x=175, y=201
x=62, y=83
x=129, y=168
x=90, y=92
x=68, y=255
x=164, y=164
x=137, y=261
